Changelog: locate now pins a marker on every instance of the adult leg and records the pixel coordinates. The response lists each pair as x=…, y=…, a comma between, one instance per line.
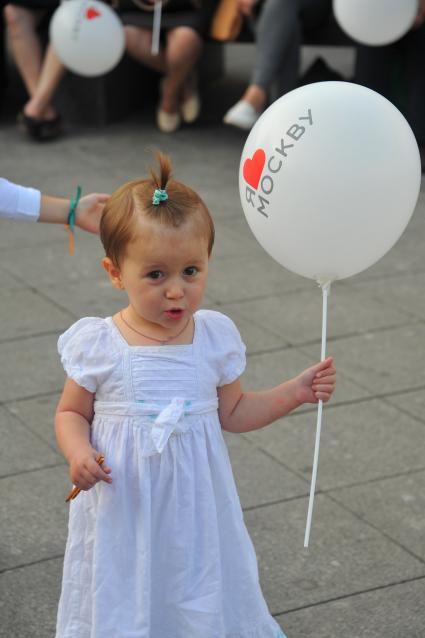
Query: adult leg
x=38, y=118
x=39, y=106
x=184, y=46
x=278, y=45
x=277, y=54
x=176, y=63
x=278, y=39
x=25, y=44
x=138, y=43
x=311, y=14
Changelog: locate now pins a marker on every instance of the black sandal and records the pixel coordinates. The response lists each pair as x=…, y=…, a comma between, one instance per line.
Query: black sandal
x=39, y=129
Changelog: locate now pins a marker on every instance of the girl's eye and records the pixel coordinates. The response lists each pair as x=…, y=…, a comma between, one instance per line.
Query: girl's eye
x=155, y=274
x=191, y=271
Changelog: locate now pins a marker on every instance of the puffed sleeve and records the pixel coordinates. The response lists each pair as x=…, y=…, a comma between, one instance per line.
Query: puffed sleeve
x=83, y=350
x=226, y=346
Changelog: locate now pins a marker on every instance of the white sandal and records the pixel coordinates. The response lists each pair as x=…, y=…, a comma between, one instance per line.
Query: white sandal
x=242, y=115
x=191, y=108
x=167, y=122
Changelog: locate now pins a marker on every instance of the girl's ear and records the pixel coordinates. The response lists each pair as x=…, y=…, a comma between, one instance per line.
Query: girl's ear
x=113, y=272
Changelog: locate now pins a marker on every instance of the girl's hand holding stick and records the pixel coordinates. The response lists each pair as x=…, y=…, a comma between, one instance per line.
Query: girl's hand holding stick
x=316, y=383
x=86, y=474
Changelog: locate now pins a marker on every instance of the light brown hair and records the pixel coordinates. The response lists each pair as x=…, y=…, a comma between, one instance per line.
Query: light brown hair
x=134, y=199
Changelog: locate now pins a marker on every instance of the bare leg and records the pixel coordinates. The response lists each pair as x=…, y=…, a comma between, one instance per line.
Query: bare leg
x=25, y=44
x=51, y=74
x=184, y=47
x=139, y=43
x=190, y=86
x=40, y=77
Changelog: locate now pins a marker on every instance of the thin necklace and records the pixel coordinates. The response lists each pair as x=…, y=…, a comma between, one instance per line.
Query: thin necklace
x=162, y=341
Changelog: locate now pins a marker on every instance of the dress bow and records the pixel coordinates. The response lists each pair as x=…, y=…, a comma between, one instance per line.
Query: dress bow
x=166, y=423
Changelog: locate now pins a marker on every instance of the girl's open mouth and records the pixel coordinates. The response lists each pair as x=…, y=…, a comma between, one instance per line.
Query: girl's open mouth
x=174, y=313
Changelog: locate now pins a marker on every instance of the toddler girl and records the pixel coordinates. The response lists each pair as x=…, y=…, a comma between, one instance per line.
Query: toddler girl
x=157, y=544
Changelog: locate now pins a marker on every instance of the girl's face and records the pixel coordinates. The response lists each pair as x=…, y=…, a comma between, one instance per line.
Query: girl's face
x=164, y=272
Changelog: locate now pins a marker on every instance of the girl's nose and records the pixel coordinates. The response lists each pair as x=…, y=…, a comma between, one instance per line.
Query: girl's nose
x=174, y=292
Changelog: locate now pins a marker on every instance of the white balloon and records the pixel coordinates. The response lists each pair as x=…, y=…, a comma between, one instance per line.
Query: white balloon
x=88, y=36
x=329, y=178
x=375, y=22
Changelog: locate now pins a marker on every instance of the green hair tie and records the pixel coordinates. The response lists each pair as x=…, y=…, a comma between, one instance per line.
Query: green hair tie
x=159, y=196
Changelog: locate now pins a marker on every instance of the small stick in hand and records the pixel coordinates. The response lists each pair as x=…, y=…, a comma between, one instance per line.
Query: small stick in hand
x=76, y=490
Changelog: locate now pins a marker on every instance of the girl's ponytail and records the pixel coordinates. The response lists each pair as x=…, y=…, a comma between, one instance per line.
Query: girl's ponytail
x=160, y=198
x=165, y=171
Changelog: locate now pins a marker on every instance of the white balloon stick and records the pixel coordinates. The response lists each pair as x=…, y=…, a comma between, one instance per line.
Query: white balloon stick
x=325, y=293
x=156, y=29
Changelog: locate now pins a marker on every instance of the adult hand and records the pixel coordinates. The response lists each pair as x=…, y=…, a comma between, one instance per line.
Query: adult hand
x=420, y=16
x=89, y=211
x=245, y=7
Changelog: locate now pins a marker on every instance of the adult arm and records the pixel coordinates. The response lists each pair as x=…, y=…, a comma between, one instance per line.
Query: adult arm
x=54, y=210
x=28, y=204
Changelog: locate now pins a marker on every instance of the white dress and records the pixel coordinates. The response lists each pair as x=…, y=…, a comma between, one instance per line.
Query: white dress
x=163, y=551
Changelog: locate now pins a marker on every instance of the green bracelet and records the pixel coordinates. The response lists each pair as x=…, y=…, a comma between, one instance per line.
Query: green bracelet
x=73, y=204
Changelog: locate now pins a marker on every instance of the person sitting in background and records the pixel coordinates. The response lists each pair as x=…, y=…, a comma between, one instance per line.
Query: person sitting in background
x=376, y=65
x=278, y=42
x=183, y=25
x=40, y=73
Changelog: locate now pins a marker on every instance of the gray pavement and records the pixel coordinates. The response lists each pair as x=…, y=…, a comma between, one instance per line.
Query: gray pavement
x=364, y=573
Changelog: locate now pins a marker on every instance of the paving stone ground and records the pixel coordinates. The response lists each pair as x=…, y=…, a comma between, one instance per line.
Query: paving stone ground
x=364, y=573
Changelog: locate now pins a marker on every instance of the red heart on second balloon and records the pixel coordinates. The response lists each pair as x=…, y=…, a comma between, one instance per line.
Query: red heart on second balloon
x=92, y=13
x=253, y=167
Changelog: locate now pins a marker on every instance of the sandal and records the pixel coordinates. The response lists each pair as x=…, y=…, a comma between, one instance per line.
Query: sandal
x=39, y=129
x=191, y=108
x=242, y=115
x=167, y=122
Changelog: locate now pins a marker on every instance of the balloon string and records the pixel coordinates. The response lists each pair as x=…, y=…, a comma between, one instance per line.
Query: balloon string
x=156, y=29
x=325, y=293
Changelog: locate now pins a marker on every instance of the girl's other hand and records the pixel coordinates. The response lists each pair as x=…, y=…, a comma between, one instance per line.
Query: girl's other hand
x=89, y=211
x=316, y=383
x=85, y=472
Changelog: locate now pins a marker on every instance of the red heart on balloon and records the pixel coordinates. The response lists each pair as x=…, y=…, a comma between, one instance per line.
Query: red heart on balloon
x=92, y=13
x=253, y=167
